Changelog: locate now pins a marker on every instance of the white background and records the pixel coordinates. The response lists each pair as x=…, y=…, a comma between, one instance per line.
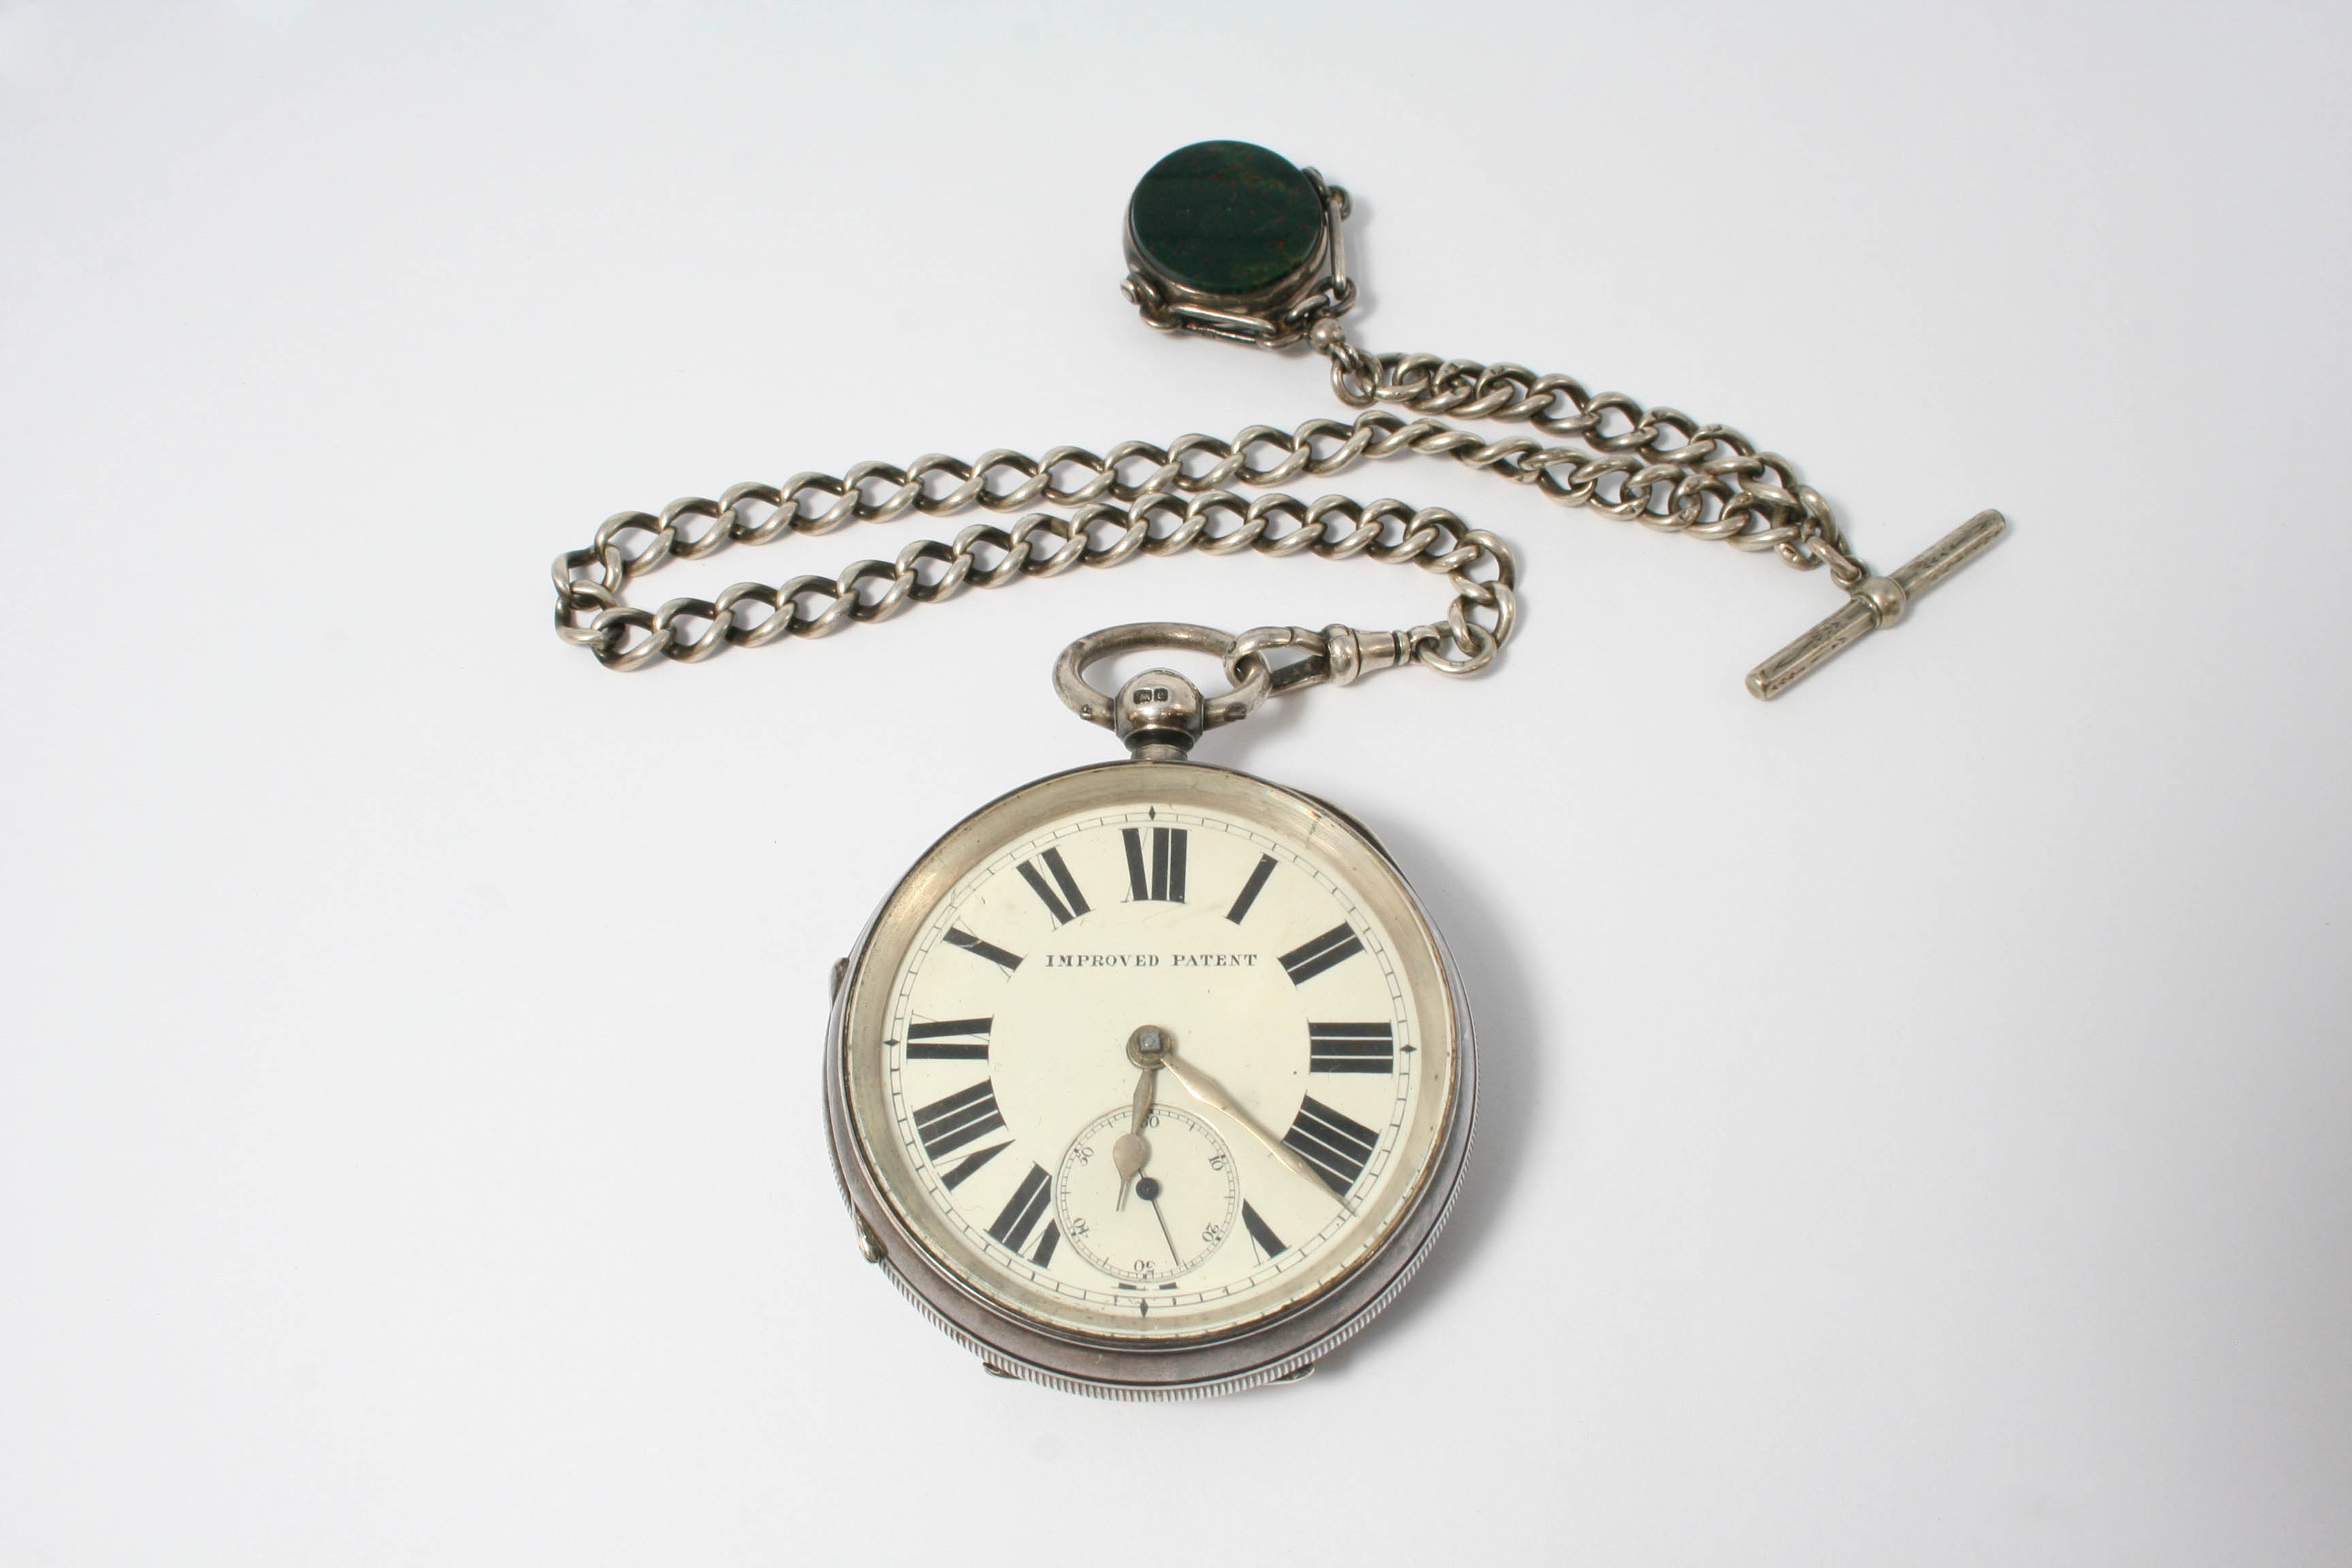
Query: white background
x=1916, y=1112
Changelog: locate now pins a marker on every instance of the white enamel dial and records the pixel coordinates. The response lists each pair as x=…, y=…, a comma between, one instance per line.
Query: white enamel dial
x=1312, y=1065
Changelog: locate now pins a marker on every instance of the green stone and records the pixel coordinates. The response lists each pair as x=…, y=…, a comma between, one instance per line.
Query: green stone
x=1225, y=217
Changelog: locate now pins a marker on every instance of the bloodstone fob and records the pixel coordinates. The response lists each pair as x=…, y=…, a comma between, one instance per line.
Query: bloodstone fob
x=1231, y=239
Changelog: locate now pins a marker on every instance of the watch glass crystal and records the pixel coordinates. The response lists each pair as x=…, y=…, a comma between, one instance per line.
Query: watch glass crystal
x=1265, y=1143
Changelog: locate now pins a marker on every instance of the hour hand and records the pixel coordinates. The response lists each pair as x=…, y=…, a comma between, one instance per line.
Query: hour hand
x=1133, y=1151
x=1127, y=1156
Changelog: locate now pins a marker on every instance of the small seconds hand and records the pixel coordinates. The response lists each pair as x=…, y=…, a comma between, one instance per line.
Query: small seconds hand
x=1147, y=1189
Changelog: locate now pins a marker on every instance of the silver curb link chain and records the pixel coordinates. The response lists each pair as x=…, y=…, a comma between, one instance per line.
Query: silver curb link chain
x=1656, y=465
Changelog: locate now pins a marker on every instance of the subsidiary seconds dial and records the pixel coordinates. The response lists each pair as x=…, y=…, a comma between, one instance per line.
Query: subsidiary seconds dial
x=1166, y=1220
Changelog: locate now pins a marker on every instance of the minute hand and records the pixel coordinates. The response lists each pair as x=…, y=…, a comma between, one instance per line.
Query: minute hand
x=1206, y=1092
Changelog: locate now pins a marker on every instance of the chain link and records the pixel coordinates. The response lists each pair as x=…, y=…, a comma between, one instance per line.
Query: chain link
x=1656, y=465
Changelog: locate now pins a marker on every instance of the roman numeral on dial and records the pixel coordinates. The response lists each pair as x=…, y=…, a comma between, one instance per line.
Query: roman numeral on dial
x=1251, y=890
x=1063, y=912
x=1345, y=1048
x=1311, y=959
x=1020, y=1216
x=949, y=1040
x=1335, y=1143
x=947, y=1125
x=970, y=1163
x=1165, y=881
x=1008, y=962
x=1262, y=1234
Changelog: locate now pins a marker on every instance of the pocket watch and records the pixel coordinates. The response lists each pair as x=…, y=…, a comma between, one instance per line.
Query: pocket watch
x=1150, y=1078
